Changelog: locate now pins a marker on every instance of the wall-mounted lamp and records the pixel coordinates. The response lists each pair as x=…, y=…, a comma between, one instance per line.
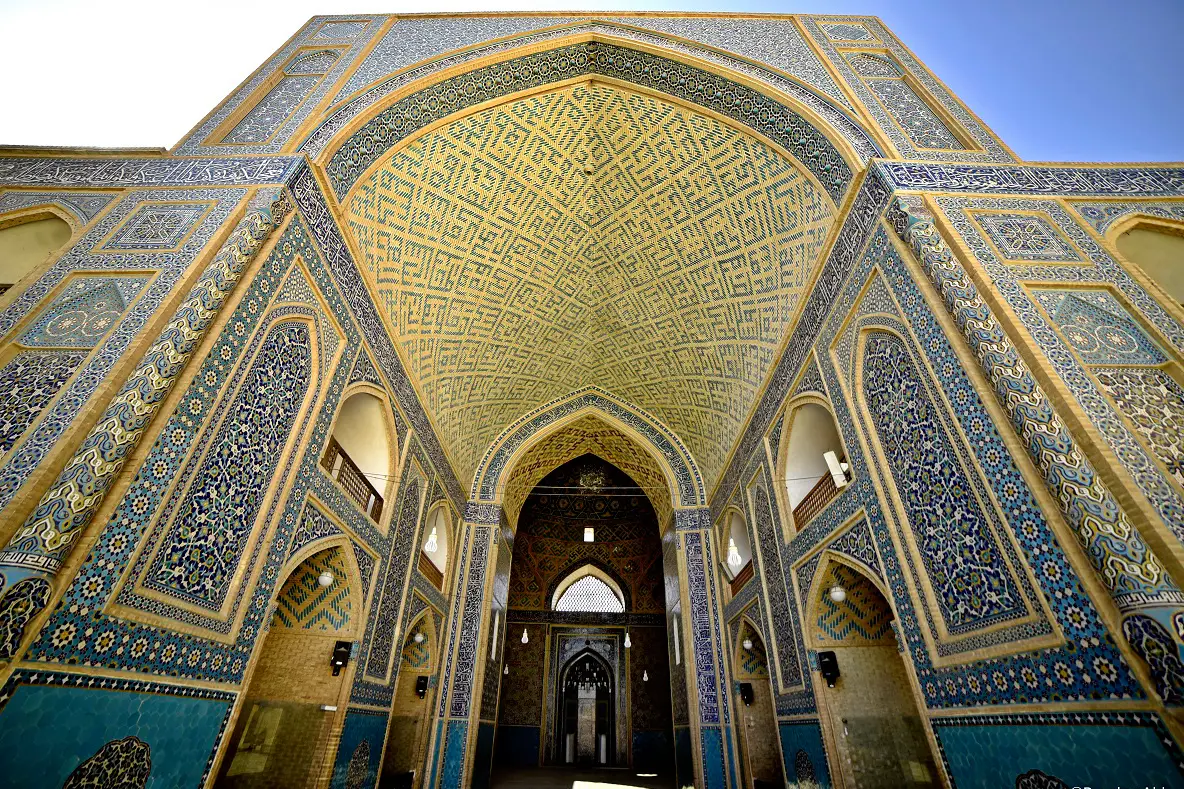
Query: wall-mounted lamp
x=628, y=643
x=746, y=643
x=734, y=554
x=525, y=637
x=417, y=638
x=838, y=471
x=340, y=658
x=589, y=534
x=506, y=670
x=325, y=578
x=645, y=675
x=838, y=593
x=431, y=545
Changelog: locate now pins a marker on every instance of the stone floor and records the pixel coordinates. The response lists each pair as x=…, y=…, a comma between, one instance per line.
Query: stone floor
x=575, y=778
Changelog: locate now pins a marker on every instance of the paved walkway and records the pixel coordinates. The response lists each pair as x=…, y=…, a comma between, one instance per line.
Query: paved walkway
x=575, y=778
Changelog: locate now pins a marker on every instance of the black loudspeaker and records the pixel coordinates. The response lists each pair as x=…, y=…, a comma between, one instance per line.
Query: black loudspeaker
x=828, y=664
x=746, y=693
x=340, y=657
x=421, y=686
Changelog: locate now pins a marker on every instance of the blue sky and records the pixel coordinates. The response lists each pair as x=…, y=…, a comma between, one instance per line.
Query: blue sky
x=1057, y=80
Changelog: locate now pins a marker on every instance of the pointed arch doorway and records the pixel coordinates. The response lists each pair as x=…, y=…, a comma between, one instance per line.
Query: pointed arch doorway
x=585, y=682
x=872, y=720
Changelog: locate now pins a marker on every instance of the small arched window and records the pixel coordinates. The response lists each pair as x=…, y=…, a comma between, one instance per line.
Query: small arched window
x=1159, y=253
x=737, y=549
x=810, y=480
x=436, y=539
x=358, y=455
x=590, y=590
x=26, y=244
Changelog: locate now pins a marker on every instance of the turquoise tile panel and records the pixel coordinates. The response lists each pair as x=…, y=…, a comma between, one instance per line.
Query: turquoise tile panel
x=47, y=731
x=805, y=755
x=1128, y=752
x=360, y=749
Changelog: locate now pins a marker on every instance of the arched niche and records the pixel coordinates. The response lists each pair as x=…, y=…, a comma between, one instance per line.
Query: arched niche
x=293, y=700
x=808, y=482
x=547, y=443
x=872, y=716
x=760, y=747
x=361, y=453
x=589, y=589
x=411, y=708
x=437, y=544
x=1156, y=247
x=586, y=710
x=735, y=545
x=27, y=239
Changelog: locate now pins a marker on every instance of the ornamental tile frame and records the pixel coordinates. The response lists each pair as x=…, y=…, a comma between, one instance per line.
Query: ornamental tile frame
x=1100, y=273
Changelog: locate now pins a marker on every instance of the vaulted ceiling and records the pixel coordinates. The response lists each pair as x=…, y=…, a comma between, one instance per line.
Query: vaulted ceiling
x=589, y=236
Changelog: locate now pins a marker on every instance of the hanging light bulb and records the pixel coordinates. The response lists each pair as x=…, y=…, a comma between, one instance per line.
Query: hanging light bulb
x=645, y=675
x=506, y=670
x=417, y=638
x=838, y=593
x=746, y=643
x=628, y=643
x=733, y=553
x=325, y=578
x=525, y=638
x=431, y=545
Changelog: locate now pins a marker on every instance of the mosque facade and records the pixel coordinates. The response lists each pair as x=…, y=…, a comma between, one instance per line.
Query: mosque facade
x=689, y=399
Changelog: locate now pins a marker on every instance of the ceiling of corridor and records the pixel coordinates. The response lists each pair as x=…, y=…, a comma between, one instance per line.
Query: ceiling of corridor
x=589, y=236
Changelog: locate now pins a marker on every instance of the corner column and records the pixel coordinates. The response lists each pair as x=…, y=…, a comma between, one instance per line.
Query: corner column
x=34, y=556
x=461, y=746
x=706, y=667
x=1149, y=602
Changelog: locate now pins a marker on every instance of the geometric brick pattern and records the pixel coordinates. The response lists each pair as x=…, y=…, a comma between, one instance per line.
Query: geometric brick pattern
x=572, y=227
x=918, y=120
x=304, y=604
x=156, y=227
x=863, y=617
x=1024, y=237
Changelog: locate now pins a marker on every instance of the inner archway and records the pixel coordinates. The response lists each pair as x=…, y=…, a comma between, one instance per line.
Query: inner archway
x=284, y=730
x=757, y=726
x=871, y=712
x=586, y=674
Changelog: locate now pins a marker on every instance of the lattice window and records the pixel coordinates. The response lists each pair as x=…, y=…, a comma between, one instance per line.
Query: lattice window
x=590, y=594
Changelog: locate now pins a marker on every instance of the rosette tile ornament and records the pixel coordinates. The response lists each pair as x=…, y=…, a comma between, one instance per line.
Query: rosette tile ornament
x=34, y=555
x=1150, y=603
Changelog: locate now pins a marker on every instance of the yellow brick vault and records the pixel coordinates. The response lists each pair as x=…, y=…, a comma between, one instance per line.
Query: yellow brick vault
x=589, y=236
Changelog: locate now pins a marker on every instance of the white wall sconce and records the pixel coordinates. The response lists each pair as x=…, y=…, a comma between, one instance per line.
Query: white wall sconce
x=589, y=534
x=628, y=643
x=733, y=554
x=506, y=670
x=645, y=675
x=325, y=579
x=525, y=637
x=838, y=593
x=838, y=471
